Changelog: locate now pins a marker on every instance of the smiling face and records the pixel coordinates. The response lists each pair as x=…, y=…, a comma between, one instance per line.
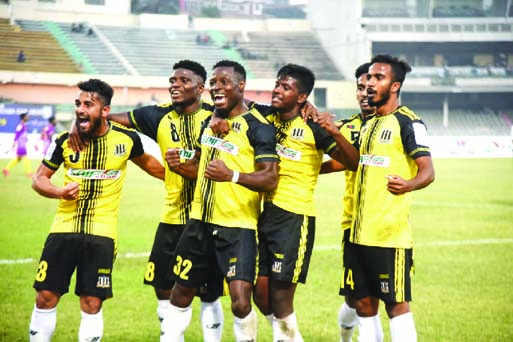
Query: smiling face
x=90, y=114
x=286, y=97
x=226, y=90
x=361, y=95
x=185, y=88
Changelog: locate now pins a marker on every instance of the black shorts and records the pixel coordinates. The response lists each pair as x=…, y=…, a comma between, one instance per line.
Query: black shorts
x=285, y=244
x=92, y=256
x=380, y=272
x=162, y=255
x=345, y=240
x=207, y=249
x=161, y=260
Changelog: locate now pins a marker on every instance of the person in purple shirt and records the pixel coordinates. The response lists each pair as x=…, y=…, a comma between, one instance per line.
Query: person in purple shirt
x=47, y=133
x=20, y=141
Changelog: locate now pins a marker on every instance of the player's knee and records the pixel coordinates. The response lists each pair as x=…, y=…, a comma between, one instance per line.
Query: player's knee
x=47, y=299
x=162, y=294
x=90, y=305
x=367, y=307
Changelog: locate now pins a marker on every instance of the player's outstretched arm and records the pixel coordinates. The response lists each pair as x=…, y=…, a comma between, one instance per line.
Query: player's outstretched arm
x=120, y=118
x=150, y=165
x=330, y=166
x=264, y=179
x=42, y=185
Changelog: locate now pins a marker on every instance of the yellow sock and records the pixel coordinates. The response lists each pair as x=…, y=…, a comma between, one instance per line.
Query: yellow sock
x=26, y=166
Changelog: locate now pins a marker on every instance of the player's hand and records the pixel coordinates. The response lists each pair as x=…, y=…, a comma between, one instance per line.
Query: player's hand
x=217, y=170
x=70, y=191
x=397, y=185
x=308, y=110
x=326, y=121
x=75, y=141
x=219, y=126
x=173, y=158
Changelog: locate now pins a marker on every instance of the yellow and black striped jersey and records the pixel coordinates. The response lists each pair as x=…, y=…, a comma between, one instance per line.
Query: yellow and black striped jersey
x=301, y=147
x=350, y=129
x=388, y=145
x=251, y=140
x=173, y=130
x=100, y=172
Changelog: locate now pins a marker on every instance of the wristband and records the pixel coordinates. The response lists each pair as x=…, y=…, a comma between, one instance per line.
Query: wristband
x=235, y=177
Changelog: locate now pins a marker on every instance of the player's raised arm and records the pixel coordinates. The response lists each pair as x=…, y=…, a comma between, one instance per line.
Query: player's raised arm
x=42, y=184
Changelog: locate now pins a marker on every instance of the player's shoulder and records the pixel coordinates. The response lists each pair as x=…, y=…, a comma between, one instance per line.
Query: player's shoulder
x=406, y=113
x=254, y=117
x=120, y=129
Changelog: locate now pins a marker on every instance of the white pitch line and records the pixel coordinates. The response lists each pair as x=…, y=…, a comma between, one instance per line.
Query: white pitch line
x=322, y=248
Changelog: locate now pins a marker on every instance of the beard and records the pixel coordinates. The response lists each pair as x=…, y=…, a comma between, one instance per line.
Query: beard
x=380, y=103
x=222, y=113
x=88, y=134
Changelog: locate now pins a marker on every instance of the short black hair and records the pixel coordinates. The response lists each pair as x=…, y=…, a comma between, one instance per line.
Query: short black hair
x=362, y=69
x=51, y=119
x=235, y=65
x=305, y=77
x=23, y=115
x=193, y=66
x=103, y=89
x=399, y=67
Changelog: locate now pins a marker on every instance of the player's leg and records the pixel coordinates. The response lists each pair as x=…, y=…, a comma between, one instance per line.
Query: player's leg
x=211, y=314
x=27, y=166
x=194, y=254
x=157, y=269
x=94, y=284
x=347, y=317
x=10, y=165
x=402, y=325
x=261, y=292
x=290, y=240
x=237, y=253
x=53, y=276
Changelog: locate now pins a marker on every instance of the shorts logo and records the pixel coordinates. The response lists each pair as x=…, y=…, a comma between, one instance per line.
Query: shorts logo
x=386, y=136
x=103, y=282
x=120, y=150
x=231, y=271
x=276, y=267
x=384, y=287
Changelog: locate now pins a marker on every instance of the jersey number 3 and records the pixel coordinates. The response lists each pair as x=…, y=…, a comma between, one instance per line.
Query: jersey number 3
x=182, y=267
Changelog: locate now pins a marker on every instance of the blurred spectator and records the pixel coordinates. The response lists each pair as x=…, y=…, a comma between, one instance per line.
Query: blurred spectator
x=202, y=39
x=90, y=32
x=191, y=22
x=21, y=57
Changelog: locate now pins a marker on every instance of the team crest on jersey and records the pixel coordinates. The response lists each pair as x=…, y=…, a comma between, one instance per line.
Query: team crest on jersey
x=120, y=150
x=236, y=127
x=94, y=174
x=298, y=133
x=385, y=137
x=220, y=144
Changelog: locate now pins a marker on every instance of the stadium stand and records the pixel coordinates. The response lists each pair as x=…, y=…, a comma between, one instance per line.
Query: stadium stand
x=43, y=53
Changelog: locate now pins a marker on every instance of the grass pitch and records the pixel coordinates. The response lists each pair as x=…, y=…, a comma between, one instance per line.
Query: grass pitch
x=462, y=289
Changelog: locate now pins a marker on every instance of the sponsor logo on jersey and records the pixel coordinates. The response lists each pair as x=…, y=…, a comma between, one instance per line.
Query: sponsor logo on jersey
x=185, y=155
x=220, y=144
x=372, y=160
x=288, y=153
x=94, y=174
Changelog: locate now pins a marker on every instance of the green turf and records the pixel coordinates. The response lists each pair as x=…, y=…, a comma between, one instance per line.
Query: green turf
x=462, y=289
